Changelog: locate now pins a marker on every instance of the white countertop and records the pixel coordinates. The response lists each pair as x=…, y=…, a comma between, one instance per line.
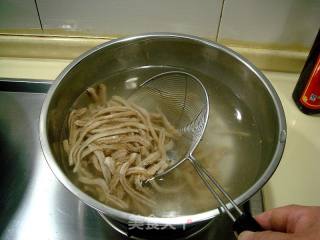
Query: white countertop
x=297, y=177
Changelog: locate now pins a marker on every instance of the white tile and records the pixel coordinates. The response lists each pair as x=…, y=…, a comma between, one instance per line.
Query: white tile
x=284, y=22
x=124, y=17
x=18, y=14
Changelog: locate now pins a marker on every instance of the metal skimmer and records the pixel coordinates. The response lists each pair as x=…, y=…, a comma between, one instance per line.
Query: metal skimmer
x=183, y=99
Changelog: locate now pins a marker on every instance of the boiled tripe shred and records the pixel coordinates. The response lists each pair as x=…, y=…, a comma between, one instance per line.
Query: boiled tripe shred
x=115, y=145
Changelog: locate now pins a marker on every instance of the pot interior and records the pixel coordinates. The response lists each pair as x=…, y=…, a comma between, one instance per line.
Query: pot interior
x=242, y=134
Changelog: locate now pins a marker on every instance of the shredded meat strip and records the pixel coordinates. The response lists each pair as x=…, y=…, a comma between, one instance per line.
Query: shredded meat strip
x=113, y=146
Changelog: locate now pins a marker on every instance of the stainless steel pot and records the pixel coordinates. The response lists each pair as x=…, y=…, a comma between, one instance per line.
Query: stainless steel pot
x=202, y=57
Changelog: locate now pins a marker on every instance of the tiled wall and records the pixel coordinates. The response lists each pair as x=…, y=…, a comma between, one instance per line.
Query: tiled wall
x=284, y=23
x=274, y=22
x=18, y=14
x=132, y=16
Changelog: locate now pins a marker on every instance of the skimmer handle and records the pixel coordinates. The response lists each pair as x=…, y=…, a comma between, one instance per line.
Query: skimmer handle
x=244, y=221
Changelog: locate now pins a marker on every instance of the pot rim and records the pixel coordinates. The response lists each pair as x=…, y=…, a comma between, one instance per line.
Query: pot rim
x=180, y=220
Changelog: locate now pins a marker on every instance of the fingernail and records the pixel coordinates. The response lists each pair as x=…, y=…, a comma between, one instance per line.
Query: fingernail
x=245, y=235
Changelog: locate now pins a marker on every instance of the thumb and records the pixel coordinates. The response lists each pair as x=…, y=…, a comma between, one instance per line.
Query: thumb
x=265, y=235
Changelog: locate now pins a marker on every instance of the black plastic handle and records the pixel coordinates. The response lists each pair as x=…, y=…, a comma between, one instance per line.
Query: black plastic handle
x=246, y=223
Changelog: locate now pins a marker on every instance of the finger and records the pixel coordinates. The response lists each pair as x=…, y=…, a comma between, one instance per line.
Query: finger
x=281, y=219
x=265, y=235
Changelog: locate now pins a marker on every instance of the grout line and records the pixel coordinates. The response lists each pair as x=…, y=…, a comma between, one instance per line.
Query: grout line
x=35, y=2
x=220, y=18
x=63, y=36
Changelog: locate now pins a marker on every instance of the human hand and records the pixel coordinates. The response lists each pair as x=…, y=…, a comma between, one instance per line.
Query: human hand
x=287, y=223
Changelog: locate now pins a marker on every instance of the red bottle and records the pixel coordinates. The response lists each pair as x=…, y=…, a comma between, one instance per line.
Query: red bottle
x=307, y=91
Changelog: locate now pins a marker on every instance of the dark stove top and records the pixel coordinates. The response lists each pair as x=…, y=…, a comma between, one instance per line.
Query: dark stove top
x=33, y=204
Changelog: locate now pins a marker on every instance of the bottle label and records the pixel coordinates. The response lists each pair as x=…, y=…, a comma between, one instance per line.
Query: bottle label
x=311, y=95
